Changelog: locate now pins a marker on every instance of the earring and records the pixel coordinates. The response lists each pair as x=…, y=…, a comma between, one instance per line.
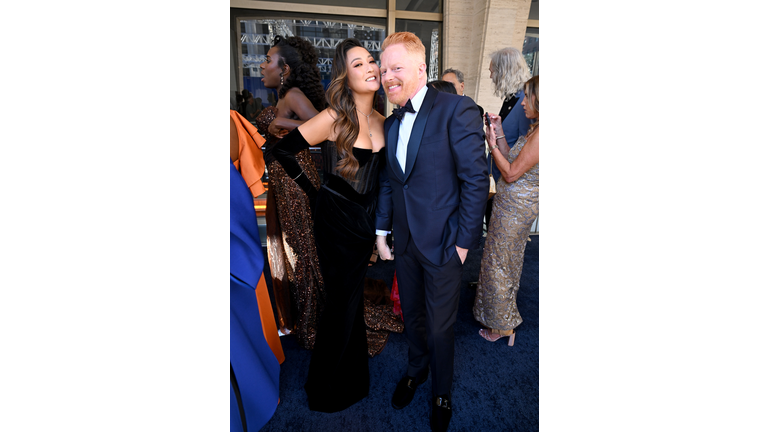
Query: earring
x=281, y=79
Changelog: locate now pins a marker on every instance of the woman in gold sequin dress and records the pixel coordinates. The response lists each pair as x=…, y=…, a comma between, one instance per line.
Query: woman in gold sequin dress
x=291, y=68
x=515, y=207
x=353, y=133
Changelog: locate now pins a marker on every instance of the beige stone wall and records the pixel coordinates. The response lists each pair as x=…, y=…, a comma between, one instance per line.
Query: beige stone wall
x=473, y=30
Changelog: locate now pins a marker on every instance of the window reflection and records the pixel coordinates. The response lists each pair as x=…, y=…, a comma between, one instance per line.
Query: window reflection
x=429, y=33
x=368, y=4
x=531, y=49
x=435, y=6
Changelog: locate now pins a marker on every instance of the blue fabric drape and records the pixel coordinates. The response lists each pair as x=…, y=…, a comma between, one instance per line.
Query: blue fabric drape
x=255, y=367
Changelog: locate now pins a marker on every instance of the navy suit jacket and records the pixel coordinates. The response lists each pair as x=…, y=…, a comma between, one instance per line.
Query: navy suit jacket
x=514, y=125
x=440, y=199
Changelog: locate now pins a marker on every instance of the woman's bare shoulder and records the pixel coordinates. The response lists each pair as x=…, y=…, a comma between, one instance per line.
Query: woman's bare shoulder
x=323, y=120
x=329, y=113
x=295, y=94
x=295, y=91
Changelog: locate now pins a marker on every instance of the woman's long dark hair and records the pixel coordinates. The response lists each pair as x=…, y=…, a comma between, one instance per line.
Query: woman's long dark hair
x=341, y=101
x=301, y=56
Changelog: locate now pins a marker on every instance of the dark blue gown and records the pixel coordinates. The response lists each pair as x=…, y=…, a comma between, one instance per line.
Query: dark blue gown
x=254, y=369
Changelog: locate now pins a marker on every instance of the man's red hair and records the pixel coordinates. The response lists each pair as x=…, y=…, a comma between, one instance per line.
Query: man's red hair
x=410, y=41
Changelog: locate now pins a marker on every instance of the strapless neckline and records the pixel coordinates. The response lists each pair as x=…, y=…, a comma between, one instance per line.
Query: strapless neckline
x=363, y=155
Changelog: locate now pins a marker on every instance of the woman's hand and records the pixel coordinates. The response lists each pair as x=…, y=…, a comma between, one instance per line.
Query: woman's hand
x=493, y=129
x=490, y=135
x=496, y=121
x=276, y=130
x=385, y=252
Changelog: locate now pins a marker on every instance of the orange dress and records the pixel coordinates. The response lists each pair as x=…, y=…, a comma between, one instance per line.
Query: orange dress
x=250, y=163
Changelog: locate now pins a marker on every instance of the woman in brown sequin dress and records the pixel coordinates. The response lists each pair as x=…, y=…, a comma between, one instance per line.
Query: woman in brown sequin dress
x=344, y=222
x=515, y=207
x=291, y=68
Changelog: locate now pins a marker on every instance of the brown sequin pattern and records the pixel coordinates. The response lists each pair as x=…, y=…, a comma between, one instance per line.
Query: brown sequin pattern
x=376, y=341
x=379, y=322
x=297, y=255
x=515, y=207
x=263, y=120
x=378, y=315
x=299, y=252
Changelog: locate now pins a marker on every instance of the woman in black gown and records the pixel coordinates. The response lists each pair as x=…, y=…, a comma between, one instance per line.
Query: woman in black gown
x=344, y=210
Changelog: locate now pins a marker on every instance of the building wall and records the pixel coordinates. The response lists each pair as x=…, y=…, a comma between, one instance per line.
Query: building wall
x=473, y=30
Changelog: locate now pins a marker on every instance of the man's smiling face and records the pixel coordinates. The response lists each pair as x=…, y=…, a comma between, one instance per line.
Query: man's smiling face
x=401, y=73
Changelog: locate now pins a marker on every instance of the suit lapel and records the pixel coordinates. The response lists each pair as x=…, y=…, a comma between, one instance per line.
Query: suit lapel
x=414, y=142
x=394, y=127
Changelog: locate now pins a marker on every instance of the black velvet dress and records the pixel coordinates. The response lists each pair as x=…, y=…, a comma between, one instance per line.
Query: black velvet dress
x=345, y=233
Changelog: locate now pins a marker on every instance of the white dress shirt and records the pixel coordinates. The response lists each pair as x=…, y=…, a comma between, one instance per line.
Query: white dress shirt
x=404, y=133
x=406, y=126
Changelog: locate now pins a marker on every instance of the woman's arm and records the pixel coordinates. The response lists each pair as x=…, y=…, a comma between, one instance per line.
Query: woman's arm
x=280, y=126
x=313, y=132
x=294, y=103
x=494, y=136
x=528, y=157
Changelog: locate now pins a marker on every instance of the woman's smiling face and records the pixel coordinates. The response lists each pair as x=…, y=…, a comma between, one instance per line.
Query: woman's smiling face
x=362, y=71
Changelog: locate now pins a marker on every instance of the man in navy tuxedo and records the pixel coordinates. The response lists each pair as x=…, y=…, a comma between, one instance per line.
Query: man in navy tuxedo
x=432, y=195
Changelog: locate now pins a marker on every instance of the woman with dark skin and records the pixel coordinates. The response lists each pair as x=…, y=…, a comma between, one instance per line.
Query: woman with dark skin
x=299, y=90
x=291, y=69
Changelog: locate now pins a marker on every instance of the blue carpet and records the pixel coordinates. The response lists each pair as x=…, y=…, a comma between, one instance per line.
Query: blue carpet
x=496, y=387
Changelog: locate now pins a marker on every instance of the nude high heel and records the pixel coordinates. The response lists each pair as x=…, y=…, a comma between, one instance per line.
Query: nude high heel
x=493, y=337
x=487, y=335
x=511, y=339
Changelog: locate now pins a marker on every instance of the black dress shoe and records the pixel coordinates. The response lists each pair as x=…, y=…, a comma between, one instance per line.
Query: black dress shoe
x=404, y=392
x=441, y=414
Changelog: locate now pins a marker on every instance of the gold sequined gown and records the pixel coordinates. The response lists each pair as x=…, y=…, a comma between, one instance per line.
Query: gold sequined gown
x=515, y=207
x=296, y=278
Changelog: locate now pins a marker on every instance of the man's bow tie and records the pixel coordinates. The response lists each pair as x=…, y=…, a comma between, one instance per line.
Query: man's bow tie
x=400, y=112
